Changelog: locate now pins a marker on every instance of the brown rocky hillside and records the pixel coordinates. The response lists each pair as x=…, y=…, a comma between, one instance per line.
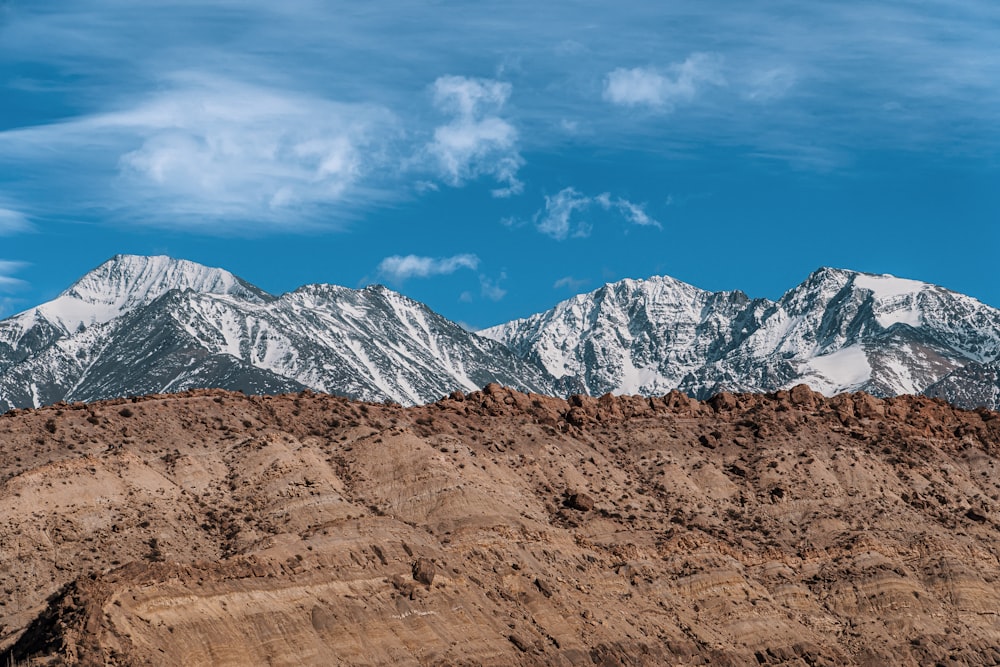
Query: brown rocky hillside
x=211, y=528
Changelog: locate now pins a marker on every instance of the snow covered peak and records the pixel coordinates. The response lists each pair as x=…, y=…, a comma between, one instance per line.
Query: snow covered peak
x=655, y=287
x=821, y=286
x=889, y=299
x=630, y=336
x=125, y=282
x=885, y=287
x=897, y=300
x=624, y=298
x=892, y=300
x=882, y=286
x=129, y=279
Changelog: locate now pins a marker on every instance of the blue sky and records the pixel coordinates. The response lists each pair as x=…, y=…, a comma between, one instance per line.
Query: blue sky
x=493, y=160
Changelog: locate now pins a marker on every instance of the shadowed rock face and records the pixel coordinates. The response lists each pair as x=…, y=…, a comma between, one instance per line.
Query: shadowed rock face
x=210, y=528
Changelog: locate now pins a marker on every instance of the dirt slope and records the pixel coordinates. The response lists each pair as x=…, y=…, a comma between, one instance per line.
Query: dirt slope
x=211, y=528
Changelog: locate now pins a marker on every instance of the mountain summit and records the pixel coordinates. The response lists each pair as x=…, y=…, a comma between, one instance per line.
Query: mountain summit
x=139, y=325
x=127, y=282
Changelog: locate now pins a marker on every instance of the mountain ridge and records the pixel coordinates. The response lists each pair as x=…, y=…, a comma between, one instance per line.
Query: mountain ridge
x=839, y=330
x=372, y=344
x=137, y=325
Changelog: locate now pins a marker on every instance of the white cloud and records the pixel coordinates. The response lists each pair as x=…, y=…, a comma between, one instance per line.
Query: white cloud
x=205, y=150
x=512, y=221
x=208, y=148
x=647, y=86
x=399, y=268
x=12, y=221
x=938, y=60
x=556, y=219
x=468, y=97
x=7, y=282
x=490, y=288
x=635, y=214
x=476, y=142
x=246, y=150
x=570, y=283
x=631, y=87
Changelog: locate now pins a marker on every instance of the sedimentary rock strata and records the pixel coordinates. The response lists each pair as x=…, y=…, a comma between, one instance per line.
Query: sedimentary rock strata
x=212, y=528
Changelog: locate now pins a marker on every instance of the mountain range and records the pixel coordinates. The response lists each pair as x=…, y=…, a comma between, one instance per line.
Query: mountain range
x=140, y=325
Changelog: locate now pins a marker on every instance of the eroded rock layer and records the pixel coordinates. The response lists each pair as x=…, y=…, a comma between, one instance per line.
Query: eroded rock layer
x=212, y=528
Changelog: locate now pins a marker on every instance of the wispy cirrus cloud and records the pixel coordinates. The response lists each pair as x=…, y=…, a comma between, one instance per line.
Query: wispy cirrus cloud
x=477, y=141
x=768, y=84
x=7, y=281
x=936, y=59
x=560, y=216
x=217, y=154
x=280, y=134
x=650, y=87
x=399, y=268
x=12, y=221
x=207, y=149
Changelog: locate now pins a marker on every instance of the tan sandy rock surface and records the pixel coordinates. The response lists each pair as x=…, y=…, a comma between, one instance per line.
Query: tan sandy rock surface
x=212, y=528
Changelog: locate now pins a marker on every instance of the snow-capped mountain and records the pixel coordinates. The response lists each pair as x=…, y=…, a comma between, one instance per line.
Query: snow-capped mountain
x=837, y=331
x=138, y=325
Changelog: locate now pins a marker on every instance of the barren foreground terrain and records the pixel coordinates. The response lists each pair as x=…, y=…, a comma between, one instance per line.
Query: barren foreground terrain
x=211, y=528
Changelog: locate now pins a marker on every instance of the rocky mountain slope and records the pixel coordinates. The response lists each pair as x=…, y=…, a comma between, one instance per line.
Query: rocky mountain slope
x=837, y=331
x=971, y=385
x=138, y=325
x=498, y=528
